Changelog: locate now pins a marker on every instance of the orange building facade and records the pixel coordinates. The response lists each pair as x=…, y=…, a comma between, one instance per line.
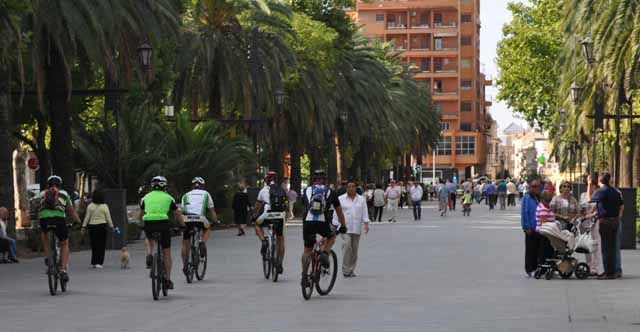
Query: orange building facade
x=441, y=38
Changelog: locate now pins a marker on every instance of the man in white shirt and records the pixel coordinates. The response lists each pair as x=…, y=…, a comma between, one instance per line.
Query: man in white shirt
x=198, y=210
x=392, y=196
x=416, y=193
x=356, y=216
x=271, y=213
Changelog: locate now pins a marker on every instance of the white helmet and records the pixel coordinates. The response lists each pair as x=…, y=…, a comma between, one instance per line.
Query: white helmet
x=159, y=182
x=54, y=180
x=198, y=180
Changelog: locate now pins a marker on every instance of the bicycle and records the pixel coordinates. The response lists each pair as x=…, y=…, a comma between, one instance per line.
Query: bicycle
x=157, y=274
x=197, y=264
x=323, y=278
x=270, y=258
x=54, y=263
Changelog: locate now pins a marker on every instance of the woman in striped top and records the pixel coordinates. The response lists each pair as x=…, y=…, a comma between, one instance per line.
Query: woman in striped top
x=545, y=215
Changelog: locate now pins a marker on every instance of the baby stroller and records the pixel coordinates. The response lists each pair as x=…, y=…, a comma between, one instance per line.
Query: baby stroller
x=565, y=243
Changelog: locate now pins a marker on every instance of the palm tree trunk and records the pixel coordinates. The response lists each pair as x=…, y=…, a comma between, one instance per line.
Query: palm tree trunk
x=315, y=162
x=60, y=117
x=296, y=168
x=635, y=138
x=215, y=99
x=41, y=151
x=6, y=156
x=332, y=172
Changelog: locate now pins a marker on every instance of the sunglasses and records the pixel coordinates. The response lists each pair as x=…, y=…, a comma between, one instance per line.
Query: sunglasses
x=569, y=187
x=535, y=186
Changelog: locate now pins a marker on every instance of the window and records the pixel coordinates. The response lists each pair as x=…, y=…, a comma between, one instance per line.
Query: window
x=465, y=126
x=466, y=85
x=437, y=88
x=424, y=20
x=437, y=19
x=438, y=43
x=437, y=107
x=444, y=126
x=467, y=18
x=465, y=40
x=425, y=64
x=466, y=145
x=379, y=18
x=438, y=64
x=466, y=63
x=465, y=107
x=444, y=146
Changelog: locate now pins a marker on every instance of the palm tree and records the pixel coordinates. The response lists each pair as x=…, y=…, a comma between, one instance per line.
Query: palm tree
x=64, y=31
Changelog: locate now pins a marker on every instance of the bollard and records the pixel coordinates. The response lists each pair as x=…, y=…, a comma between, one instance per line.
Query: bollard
x=629, y=218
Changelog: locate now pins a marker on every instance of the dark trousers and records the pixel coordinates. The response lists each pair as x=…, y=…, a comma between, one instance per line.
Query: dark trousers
x=377, y=213
x=452, y=197
x=493, y=199
x=608, y=234
x=98, y=236
x=417, y=210
x=536, y=249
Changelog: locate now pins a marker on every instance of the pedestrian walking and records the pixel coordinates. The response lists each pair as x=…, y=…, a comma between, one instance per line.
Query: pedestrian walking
x=502, y=194
x=378, y=202
x=4, y=218
x=368, y=195
x=392, y=198
x=292, y=196
x=416, y=200
x=97, y=219
x=492, y=194
x=467, y=200
x=452, y=189
x=477, y=192
x=240, y=206
x=512, y=192
x=403, y=195
x=529, y=222
x=443, y=199
x=610, y=206
x=356, y=217
x=594, y=258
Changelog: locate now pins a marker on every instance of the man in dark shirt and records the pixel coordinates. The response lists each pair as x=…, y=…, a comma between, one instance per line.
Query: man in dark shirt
x=610, y=207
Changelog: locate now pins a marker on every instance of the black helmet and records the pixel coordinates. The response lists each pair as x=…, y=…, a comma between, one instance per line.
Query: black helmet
x=318, y=174
x=54, y=180
x=159, y=183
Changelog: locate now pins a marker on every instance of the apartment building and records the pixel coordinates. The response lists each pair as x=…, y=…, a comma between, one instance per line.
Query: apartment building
x=441, y=38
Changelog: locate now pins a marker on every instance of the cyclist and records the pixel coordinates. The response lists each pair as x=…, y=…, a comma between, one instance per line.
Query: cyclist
x=271, y=198
x=320, y=202
x=55, y=205
x=197, y=206
x=156, y=206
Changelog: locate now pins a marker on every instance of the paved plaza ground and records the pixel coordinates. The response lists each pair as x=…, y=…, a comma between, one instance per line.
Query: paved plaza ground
x=440, y=274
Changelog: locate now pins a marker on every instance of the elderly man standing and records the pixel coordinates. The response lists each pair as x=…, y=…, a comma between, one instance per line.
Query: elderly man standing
x=610, y=207
x=356, y=217
x=533, y=242
x=392, y=197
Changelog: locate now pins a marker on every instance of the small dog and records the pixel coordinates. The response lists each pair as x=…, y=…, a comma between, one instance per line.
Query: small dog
x=124, y=258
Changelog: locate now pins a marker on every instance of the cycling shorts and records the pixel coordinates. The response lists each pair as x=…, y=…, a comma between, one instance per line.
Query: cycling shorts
x=311, y=228
x=273, y=218
x=61, y=231
x=162, y=227
x=186, y=235
x=197, y=219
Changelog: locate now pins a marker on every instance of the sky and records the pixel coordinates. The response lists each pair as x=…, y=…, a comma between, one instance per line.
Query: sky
x=493, y=15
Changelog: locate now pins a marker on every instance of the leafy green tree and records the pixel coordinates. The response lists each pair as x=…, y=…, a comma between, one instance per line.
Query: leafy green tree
x=527, y=58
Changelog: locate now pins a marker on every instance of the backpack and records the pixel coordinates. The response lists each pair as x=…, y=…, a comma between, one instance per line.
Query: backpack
x=318, y=200
x=51, y=199
x=277, y=198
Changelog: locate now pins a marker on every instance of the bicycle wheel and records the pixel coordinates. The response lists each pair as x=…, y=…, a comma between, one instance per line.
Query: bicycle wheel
x=200, y=265
x=162, y=279
x=63, y=284
x=155, y=278
x=266, y=264
x=274, y=260
x=307, y=289
x=190, y=266
x=52, y=276
x=326, y=276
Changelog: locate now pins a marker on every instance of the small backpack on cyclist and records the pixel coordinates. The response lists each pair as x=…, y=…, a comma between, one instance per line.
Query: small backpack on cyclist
x=51, y=199
x=277, y=198
x=318, y=200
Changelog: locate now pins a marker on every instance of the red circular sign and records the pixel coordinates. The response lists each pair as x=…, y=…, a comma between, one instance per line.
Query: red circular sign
x=33, y=163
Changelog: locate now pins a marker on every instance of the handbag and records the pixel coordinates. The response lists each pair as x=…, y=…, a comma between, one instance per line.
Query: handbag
x=585, y=244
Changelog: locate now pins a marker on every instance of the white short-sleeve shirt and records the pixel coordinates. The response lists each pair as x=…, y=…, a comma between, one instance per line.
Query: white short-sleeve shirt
x=197, y=202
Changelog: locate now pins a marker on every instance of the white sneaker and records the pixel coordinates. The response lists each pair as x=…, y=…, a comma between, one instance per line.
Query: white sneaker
x=98, y=266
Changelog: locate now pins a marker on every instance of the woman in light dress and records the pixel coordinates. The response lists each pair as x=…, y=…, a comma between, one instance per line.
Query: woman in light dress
x=588, y=209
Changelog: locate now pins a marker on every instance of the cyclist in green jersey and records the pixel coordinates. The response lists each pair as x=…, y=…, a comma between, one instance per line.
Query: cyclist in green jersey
x=197, y=206
x=55, y=205
x=156, y=206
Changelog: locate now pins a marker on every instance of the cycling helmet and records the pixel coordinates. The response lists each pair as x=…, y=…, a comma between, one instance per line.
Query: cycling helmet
x=159, y=183
x=197, y=181
x=54, y=180
x=318, y=174
x=270, y=177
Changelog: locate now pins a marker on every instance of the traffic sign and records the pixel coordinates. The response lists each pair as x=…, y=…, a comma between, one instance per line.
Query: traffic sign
x=33, y=163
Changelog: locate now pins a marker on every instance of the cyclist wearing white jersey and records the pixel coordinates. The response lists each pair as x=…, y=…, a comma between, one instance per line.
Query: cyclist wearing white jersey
x=197, y=206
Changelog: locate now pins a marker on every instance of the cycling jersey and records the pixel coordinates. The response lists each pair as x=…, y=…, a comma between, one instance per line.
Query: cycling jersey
x=157, y=205
x=64, y=202
x=197, y=202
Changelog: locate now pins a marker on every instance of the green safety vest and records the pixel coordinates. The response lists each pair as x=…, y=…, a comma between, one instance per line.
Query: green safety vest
x=157, y=205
